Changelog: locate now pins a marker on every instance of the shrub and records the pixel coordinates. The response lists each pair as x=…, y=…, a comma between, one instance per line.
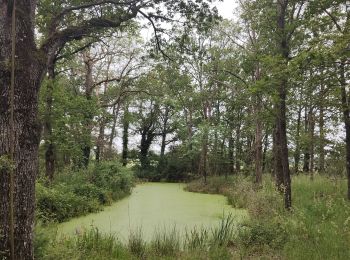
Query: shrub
x=256, y=234
x=77, y=193
x=59, y=203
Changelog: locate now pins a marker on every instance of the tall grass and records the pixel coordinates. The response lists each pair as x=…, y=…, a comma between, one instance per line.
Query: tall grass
x=317, y=227
x=166, y=242
x=136, y=243
x=197, y=243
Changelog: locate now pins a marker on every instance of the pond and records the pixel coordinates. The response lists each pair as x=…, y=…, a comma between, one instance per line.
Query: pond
x=155, y=207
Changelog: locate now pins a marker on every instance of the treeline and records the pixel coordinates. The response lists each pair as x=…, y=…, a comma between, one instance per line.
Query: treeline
x=266, y=93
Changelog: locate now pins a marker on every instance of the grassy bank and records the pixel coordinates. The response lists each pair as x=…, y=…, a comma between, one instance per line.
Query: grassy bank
x=318, y=227
x=166, y=244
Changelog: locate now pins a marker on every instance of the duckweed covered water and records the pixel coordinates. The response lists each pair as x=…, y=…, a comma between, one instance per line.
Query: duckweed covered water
x=156, y=207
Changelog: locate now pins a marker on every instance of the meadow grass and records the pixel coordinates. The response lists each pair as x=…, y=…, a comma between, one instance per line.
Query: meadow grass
x=317, y=227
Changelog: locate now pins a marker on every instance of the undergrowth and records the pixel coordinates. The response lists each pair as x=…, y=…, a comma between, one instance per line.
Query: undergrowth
x=75, y=193
x=317, y=227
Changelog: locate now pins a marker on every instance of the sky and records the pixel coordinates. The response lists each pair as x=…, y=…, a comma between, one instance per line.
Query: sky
x=226, y=8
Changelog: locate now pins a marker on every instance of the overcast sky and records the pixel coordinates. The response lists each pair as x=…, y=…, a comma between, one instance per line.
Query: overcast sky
x=226, y=8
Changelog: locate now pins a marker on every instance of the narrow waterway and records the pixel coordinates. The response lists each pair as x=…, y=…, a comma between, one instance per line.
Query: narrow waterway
x=156, y=207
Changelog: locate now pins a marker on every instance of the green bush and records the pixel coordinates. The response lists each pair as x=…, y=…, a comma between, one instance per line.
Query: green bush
x=112, y=176
x=59, y=203
x=77, y=193
x=255, y=234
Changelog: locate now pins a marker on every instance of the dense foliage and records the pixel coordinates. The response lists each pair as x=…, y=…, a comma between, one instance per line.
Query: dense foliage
x=76, y=193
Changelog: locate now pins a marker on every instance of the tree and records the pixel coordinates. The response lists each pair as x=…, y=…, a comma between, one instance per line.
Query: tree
x=63, y=23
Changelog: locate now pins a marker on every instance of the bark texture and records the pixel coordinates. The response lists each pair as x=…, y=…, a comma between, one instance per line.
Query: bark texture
x=281, y=148
x=29, y=69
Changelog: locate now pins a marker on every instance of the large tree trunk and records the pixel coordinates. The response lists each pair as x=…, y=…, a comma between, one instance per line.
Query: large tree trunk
x=26, y=130
x=281, y=120
x=282, y=148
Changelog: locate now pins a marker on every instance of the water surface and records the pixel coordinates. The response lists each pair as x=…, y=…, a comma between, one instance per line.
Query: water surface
x=156, y=206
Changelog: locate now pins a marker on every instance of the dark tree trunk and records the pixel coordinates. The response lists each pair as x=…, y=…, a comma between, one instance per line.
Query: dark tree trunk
x=231, y=158
x=164, y=132
x=258, y=133
x=88, y=116
x=306, y=167
x=321, y=166
x=238, y=148
x=26, y=131
x=114, y=125
x=125, y=136
x=204, y=155
x=113, y=132
x=266, y=144
x=346, y=117
x=297, y=142
x=282, y=170
x=203, y=167
x=146, y=141
x=277, y=164
x=100, y=141
x=312, y=145
x=189, y=119
x=282, y=148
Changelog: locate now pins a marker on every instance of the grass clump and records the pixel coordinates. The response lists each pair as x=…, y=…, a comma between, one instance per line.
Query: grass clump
x=136, y=243
x=165, y=242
